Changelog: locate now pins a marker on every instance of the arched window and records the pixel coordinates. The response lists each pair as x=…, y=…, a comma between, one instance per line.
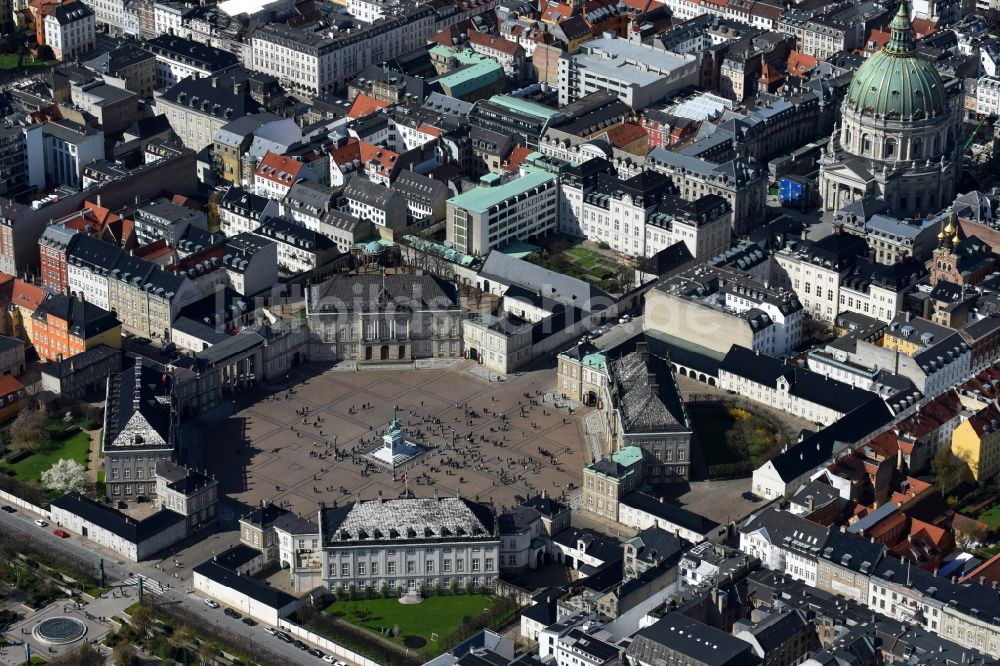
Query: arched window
x=847, y=138
x=866, y=144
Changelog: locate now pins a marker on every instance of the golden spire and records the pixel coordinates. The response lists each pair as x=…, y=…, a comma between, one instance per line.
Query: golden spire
x=950, y=230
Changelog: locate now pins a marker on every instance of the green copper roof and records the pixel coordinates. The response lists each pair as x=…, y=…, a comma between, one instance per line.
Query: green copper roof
x=476, y=71
x=480, y=199
x=627, y=456
x=896, y=82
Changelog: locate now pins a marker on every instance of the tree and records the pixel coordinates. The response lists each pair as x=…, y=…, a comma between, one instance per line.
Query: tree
x=207, y=652
x=65, y=476
x=85, y=655
x=948, y=470
x=141, y=621
x=28, y=429
x=45, y=53
x=182, y=637
x=125, y=654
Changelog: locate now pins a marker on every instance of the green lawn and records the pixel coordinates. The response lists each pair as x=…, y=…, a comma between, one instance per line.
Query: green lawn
x=728, y=435
x=584, y=257
x=441, y=615
x=991, y=517
x=75, y=447
x=9, y=61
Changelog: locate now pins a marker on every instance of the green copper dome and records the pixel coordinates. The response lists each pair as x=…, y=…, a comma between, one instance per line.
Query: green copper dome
x=896, y=82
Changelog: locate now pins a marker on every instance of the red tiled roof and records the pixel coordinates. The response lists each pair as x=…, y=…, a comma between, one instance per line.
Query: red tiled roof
x=279, y=168
x=9, y=385
x=153, y=250
x=923, y=27
x=639, y=5
x=429, y=129
x=769, y=74
x=387, y=159
x=363, y=105
x=990, y=570
x=517, y=157
x=493, y=42
x=26, y=295
x=800, y=63
x=556, y=11
x=767, y=11
x=985, y=418
x=350, y=151
x=876, y=40
x=625, y=134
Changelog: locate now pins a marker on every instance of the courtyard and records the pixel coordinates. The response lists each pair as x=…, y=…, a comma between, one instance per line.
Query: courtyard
x=302, y=446
x=586, y=261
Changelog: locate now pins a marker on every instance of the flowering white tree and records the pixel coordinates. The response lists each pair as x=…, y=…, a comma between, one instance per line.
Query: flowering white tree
x=65, y=476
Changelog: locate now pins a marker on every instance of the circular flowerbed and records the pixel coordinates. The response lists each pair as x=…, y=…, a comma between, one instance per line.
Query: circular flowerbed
x=415, y=642
x=59, y=630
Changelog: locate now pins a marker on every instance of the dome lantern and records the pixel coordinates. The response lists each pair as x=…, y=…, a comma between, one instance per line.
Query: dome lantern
x=897, y=83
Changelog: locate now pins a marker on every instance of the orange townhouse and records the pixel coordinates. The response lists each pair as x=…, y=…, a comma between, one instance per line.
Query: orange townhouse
x=64, y=325
x=13, y=397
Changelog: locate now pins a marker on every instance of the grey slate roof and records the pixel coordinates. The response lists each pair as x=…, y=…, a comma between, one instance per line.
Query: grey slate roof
x=785, y=529
x=804, y=383
x=115, y=521
x=698, y=642
x=343, y=293
x=569, y=291
x=416, y=187
x=681, y=517
x=360, y=189
x=646, y=394
x=83, y=319
x=404, y=520
x=263, y=594
x=191, y=52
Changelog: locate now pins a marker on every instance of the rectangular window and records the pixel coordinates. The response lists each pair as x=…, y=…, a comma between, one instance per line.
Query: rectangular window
x=390, y=568
x=429, y=567
x=345, y=569
x=361, y=568
x=411, y=566
x=374, y=567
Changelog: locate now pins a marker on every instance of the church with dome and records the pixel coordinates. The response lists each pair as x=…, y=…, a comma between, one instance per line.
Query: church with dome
x=898, y=139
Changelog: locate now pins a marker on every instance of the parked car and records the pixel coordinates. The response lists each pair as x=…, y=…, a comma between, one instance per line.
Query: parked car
x=750, y=497
x=624, y=319
x=211, y=603
x=300, y=645
x=141, y=341
x=329, y=658
x=62, y=534
x=250, y=622
x=283, y=636
x=233, y=614
x=9, y=509
x=271, y=630
x=316, y=653
x=41, y=523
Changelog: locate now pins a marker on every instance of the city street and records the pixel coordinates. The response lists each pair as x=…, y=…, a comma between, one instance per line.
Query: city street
x=120, y=572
